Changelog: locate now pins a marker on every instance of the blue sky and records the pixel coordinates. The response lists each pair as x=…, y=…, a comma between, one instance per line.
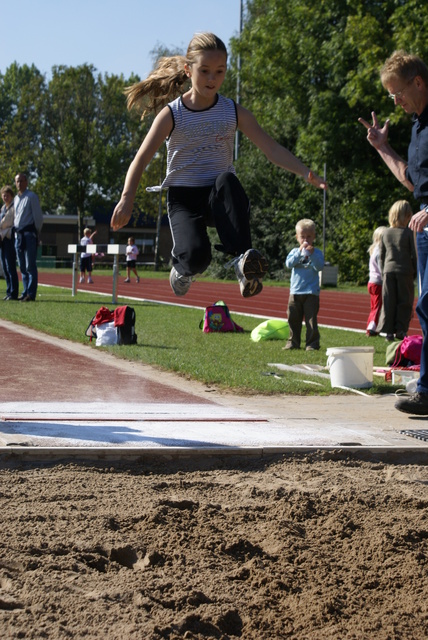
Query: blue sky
x=116, y=36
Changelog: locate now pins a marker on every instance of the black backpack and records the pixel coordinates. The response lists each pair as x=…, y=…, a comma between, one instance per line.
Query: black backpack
x=124, y=318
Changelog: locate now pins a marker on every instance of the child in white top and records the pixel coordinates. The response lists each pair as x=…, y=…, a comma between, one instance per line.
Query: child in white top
x=203, y=190
x=86, y=258
x=374, y=285
x=131, y=260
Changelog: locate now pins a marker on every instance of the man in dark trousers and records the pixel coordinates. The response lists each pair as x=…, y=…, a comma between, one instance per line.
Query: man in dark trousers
x=28, y=223
x=405, y=77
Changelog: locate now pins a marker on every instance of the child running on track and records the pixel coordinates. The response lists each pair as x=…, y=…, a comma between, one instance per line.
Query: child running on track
x=131, y=260
x=85, y=257
x=199, y=128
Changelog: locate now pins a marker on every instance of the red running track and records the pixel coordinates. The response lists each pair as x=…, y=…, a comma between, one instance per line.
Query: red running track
x=337, y=309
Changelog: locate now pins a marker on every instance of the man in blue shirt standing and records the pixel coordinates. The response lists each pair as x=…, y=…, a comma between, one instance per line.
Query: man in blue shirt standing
x=28, y=223
x=405, y=77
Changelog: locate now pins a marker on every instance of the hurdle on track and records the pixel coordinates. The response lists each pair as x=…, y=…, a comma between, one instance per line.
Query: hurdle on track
x=109, y=249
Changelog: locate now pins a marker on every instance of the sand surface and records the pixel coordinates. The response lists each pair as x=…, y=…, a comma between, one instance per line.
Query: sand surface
x=320, y=546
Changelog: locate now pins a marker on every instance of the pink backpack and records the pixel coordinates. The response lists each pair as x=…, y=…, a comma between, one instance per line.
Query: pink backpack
x=217, y=319
x=409, y=351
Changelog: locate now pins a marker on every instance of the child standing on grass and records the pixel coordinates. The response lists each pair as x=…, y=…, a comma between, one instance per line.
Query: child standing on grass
x=374, y=285
x=131, y=260
x=305, y=262
x=86, y=258
x=398, y=263
x=199, y=127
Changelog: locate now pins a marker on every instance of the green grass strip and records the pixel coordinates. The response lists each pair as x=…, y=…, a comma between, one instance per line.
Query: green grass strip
x=169, y=338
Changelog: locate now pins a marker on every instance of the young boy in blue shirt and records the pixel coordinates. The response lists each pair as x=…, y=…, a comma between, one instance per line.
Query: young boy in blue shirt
x=305, y=263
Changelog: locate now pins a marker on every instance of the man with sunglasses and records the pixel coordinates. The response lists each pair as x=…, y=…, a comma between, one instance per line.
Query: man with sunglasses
x=405, y=77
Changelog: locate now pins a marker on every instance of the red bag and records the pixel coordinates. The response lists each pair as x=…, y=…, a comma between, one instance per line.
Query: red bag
x=103, y=315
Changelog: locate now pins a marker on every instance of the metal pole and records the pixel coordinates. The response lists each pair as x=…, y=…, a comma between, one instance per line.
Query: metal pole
x=73, y=289
x=324, y=209
x=238, y=78
x=158, y=229
x=115, y=270
x=159, y=220
x=79, y=225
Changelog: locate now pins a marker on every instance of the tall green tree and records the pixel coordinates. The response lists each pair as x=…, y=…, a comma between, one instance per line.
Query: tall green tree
x=22, y=92
x=75, y=138
x=70, y=134
x=117, y=135
x=89, y=140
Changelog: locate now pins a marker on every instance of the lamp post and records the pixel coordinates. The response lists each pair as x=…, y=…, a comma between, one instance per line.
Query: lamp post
x=238, y=77
x=159, y=220
x=324, y=209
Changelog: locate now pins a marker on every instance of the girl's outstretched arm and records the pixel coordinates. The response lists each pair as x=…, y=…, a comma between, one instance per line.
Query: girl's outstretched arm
x=275, y=152
x=159, y=131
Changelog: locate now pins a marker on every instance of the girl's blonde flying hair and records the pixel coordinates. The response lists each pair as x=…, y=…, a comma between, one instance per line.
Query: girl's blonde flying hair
x=169, y=79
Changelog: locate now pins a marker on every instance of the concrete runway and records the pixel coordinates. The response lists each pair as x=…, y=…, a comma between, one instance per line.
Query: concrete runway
x=54, y=404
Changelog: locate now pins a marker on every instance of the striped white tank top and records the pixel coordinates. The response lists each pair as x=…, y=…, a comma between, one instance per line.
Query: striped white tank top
x=201, y=143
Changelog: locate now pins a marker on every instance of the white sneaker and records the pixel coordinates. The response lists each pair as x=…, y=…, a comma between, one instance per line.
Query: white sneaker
x=90, y=281
x=250, y=268
x=179, y=284
x=82, y=279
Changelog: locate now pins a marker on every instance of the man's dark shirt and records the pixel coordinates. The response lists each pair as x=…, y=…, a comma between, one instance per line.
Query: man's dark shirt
x=417, y=170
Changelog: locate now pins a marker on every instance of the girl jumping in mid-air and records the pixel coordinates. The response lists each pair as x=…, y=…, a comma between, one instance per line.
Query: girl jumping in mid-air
x=199, y=127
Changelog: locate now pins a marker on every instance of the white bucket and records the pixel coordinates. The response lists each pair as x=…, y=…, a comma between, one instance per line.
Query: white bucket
x=351, y=366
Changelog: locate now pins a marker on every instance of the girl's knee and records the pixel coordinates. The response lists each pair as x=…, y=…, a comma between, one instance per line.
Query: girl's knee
x=227, y=179
x=198, y=259
x=199, y=263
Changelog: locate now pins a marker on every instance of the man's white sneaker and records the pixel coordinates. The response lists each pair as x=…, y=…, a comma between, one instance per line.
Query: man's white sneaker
x=250, y=268
x=179, y=284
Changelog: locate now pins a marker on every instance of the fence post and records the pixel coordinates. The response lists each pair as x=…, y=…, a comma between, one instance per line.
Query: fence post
x=73, y=291
x=115, y=272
